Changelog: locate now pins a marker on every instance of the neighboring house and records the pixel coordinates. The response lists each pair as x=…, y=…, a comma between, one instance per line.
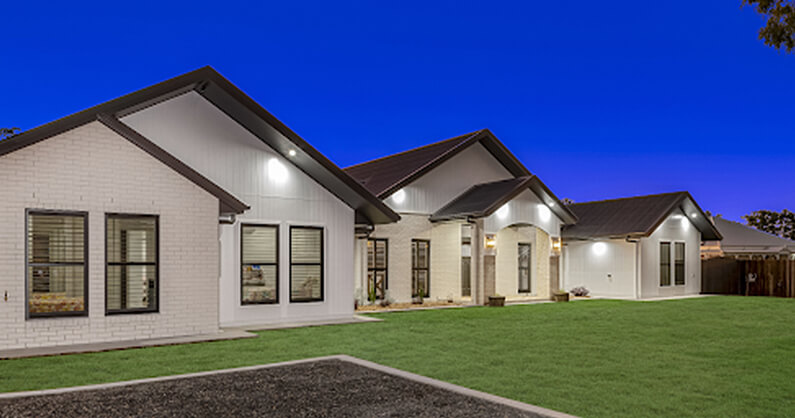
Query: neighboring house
x=746, y=242
x=172, y=211
x=638, y=247
x=474, y=223
x=748, y=262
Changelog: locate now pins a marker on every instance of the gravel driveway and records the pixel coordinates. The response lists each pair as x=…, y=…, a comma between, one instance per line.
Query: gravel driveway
x=317, y=389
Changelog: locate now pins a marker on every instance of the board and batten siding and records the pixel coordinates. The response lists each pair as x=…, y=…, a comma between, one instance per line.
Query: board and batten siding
x=444, y=183
x=526, y=208
x=612, y=273
x=205, y=138
x=676, y=228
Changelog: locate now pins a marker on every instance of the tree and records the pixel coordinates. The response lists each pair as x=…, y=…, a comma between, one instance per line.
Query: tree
x=777, y=223
x=779, y=31
x=6, y=132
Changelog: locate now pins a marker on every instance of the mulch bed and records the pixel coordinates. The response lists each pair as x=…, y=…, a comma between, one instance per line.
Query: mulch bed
x=321, y=388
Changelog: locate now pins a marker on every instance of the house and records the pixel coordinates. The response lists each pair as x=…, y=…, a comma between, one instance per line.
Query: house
x=638, y=247
x=474, y=222
x=173, y=210
x=748, y=262
x=743, y=241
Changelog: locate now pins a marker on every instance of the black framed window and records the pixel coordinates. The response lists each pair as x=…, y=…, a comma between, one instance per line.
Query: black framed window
x=56, y=266
x=420, y=267
x=665, y=264
x=679, y=263
x=132, y=244
x=524, y=267
x=259, y=264
x=377, y=271
x=306, y=264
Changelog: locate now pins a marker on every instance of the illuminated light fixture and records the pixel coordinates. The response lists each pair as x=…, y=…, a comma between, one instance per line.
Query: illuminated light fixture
x=277, y=172
x=291, y=153
x=556, y=244
x=544, y=213
x=694, y=216
x=552, y=204
x=599, y=248
x=491, y=241
x=503, y=212
x=399, y=196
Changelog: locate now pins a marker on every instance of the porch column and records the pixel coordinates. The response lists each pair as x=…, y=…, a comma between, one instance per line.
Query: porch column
x=478, y=272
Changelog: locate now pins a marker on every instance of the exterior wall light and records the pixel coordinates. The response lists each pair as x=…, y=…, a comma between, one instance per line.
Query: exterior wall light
x=491, y=241
x=556, y=245
x=291, y=153
x=503, y=212
x=544, y=213
x=277, y=172
x=399, y=196
x=599, y=248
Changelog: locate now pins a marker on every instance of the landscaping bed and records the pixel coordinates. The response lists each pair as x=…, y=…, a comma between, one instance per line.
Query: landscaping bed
x=326, y=388
x=400, y=306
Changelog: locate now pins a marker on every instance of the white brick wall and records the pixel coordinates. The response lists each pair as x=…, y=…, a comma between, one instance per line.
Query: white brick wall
x=92, y=169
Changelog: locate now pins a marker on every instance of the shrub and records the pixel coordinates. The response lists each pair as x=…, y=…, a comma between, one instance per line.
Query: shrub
x=580, y=291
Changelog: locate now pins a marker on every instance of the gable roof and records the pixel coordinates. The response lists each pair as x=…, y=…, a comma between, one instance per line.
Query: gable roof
x=635, y=217
x=244, y=110
x=739, y=238
x=483, y=199
x=386, y=175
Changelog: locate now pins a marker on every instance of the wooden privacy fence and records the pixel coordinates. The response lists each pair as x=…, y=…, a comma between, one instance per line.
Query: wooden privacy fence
x=752, y=277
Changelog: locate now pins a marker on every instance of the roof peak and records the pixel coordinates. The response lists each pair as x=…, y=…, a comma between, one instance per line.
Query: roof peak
x=462, y=138
x=631, y=197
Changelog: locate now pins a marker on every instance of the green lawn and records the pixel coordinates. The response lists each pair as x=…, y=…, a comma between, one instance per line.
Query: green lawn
x=717, y=356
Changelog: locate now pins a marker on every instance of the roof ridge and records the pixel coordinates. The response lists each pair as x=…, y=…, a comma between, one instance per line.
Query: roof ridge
x=629, y=198
x=461, y=137
x=769, y=234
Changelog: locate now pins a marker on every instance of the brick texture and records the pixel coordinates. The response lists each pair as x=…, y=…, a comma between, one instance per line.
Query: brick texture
x=92, y=169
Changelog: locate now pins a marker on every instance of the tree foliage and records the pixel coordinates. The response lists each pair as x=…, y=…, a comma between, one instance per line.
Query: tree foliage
x=6, y=132
x=779, y=30
x=777, y=223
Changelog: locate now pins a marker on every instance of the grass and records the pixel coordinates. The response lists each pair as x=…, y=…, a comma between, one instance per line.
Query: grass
x=717, y=356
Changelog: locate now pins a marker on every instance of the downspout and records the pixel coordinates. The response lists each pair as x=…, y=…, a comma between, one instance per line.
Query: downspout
x=636, y=282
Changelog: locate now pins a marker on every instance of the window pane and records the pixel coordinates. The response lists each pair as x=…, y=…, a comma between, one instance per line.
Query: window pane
x=679, y=264
x=306, y=282
x=422, y=254
x=54, y=238
x=380, y=254
x=306, y=245
x=132, y=240
x=665, y=264
x=260, y=244
x=370, y=254
x=259, y=283
x=422, y=282
x=524, y=280
x=524, y=255
x=56, y=289
x=131, y=287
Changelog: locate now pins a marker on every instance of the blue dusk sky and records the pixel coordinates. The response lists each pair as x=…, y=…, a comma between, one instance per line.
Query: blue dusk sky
x=599, y=99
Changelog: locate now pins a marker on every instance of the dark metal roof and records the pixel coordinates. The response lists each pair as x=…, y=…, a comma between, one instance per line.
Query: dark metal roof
x=384, y=176
x=635, y=217
x=243, y=109
x=379, y=176
x=743, y=239
x=483, y=199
